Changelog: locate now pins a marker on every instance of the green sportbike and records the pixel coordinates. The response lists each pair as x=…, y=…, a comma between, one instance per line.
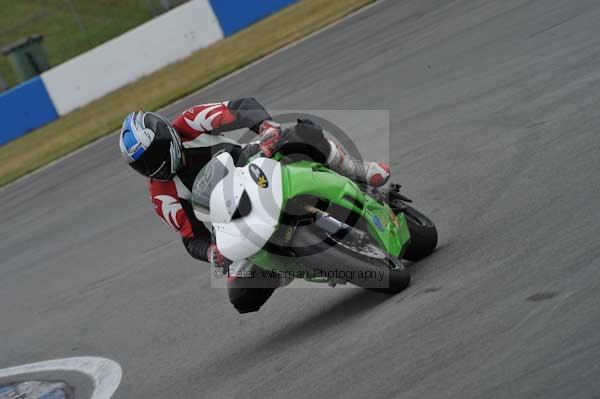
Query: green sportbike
x=302, y=220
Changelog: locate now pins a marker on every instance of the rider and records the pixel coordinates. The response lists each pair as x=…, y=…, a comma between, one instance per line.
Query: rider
x=172, y=153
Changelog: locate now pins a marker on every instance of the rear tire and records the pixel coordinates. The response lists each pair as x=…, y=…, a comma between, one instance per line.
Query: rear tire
x=423, y=235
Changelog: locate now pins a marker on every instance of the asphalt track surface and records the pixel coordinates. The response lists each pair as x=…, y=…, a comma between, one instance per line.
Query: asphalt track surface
x=495, y=109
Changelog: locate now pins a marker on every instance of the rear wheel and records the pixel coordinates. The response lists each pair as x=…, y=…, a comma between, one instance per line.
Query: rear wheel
x=423, y=234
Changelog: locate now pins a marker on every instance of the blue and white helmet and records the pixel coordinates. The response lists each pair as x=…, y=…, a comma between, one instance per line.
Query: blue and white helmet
x=150, y=145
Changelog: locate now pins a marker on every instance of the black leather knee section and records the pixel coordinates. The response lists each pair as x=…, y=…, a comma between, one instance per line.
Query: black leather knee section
x=305, y=140
x=248, y=294
x=246, y=300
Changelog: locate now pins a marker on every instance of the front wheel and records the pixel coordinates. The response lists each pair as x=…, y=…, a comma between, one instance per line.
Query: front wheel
x=423, y=234
x=392, y=276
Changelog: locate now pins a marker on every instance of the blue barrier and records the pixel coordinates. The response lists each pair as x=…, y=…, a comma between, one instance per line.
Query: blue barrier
x=235, y=15
x=24, y=108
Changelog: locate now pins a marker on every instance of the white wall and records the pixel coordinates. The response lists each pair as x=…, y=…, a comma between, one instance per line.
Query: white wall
x=126, y=58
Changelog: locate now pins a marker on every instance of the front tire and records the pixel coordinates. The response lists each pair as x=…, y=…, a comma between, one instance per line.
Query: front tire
x=395, y=277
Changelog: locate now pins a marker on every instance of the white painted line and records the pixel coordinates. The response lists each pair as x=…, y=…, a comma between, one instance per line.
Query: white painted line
x=231, y=75
x=104, y=373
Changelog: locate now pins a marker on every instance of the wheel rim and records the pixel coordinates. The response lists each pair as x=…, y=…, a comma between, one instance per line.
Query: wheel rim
x=369, y=250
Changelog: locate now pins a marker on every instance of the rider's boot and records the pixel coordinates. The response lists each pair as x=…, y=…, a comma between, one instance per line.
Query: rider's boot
x=375, y=174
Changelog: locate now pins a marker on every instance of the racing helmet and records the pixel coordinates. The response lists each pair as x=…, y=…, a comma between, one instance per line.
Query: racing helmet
x=150, y=145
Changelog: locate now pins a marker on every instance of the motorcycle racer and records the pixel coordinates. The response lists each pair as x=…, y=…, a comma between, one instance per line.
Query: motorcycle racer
x=172, y=153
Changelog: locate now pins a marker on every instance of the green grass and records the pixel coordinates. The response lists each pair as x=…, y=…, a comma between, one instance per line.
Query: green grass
x=63, y=37
x=105, y=115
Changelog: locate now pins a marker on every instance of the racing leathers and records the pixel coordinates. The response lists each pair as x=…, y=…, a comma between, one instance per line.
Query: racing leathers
x=199, y=128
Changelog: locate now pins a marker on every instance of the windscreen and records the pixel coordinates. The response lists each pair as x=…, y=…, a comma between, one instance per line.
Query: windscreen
x=211, y=174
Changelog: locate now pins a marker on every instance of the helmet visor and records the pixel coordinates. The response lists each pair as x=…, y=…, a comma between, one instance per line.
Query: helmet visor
x=156, y=161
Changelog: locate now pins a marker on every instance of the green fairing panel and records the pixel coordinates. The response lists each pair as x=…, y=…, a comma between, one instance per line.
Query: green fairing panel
x=309, y=178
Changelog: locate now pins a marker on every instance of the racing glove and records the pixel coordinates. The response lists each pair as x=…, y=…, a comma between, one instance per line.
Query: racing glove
x=216, y=258
x=270, y=134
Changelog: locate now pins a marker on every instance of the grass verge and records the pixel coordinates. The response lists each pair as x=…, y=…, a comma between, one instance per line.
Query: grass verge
x=105, y=115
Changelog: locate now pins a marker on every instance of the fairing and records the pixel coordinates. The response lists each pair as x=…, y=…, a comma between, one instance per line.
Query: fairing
x=242, y=237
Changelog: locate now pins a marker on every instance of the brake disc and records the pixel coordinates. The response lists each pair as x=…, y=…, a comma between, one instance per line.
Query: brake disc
x=367, y=249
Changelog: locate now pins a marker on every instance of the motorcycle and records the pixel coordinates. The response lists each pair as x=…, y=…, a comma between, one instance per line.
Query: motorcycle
x=302, y=220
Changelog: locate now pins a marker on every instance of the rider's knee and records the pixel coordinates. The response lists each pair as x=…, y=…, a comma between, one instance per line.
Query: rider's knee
x=248, y=294
x=248, y=299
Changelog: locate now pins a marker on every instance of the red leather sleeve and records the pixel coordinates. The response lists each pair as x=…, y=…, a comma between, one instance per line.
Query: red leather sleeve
x=167, y=206
x=203, y=119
